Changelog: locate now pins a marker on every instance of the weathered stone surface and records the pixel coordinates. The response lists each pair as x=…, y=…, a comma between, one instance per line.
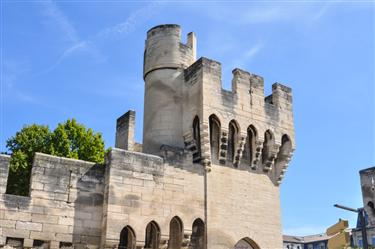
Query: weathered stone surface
x=212, y=160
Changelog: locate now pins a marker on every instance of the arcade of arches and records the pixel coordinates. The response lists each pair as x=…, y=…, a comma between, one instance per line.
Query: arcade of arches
x=176, y=237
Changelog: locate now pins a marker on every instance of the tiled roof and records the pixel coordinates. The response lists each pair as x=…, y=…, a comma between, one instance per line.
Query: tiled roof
x=306, y=239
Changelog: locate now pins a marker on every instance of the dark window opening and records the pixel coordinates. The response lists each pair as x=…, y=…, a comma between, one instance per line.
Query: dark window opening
x=175, y=234
x=127, y=238
x=250, y=146
x=198, y=240
x=267, y=144
x=40, y=244
x=66, y=245
x=14, y=242
x=232, y=141
x=152, y=237
x=197, y=138
x=214, y=137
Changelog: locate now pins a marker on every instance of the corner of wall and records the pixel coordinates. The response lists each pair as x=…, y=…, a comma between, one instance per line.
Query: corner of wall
x=4, y=171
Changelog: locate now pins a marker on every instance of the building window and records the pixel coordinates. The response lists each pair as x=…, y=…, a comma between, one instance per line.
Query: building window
x=232, y=140
x=175, y=233
x=249, y=151
x=127, y=238
x=268, y=144
x=214, y=136
x=284, y=152
x=197, y=240
x=360, y=243
x=152, y=238
x=197, y=139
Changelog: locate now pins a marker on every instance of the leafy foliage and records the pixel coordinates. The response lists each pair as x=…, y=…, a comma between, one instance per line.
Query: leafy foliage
x=69, y=139
x=73, y=140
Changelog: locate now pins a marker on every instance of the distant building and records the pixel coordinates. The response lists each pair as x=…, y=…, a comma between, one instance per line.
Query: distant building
x=292, y=242
x=368, y=195
x=318, y=241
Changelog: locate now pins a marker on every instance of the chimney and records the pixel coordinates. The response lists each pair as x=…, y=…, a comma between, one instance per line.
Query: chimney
x=125, y=129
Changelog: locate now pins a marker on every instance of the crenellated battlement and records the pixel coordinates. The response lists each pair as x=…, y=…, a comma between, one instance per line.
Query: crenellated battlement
x=245, y=85
x=253, y=131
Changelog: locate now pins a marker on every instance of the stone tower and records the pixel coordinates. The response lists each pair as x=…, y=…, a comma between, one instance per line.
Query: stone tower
x=243, y=139
x=165, y=59
x=207, y=175
x=368, y=192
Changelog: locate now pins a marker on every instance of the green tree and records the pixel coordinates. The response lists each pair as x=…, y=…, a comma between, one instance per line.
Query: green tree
x=30, y=139
x=73, y=140
x=70, y=139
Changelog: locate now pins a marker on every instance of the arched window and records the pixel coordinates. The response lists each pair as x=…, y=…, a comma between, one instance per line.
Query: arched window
x=175, y=233
x=250, y=146
x=286, y=145
x=197, y=138
x=152, y=238
x=127, y=238
x=215, y=128
x=198, y=240
x=232, y=140
x=267, y=144
x=246, y=243
x=284, y=152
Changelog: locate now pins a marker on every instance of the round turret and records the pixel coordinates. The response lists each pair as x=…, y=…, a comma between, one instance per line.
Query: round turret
x=165, y=50
x=165, y=59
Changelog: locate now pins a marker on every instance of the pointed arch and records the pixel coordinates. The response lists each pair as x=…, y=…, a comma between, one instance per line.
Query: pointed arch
x=197, y=139
x=152, y=237
x=176, y=230
x=269, y=141
x=250, y=145
x=215, y=131
x=127, y=238
x=198, y=235
x=246, y=243
x=233, y=131
x=284, y=153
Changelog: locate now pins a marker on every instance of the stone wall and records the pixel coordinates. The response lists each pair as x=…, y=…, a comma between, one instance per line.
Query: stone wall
x=64, y=207
x=142, y=188
x=4, y=171
x=242, y=204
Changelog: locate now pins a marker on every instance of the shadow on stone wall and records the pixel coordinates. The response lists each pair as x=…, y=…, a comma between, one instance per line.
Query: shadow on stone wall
x=88, y=207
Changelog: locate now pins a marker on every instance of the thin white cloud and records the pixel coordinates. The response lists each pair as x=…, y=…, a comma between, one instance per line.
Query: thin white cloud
x=14, y=71
x=323, y=11
x=248, y=55
x=245, y=15
x=70, y=34
x=136, y=18
x=52, y=11
x=79, y=45
x=82, y=46
x=257, y=14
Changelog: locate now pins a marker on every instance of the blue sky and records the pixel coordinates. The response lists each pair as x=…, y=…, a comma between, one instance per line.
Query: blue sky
x=83, y=60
